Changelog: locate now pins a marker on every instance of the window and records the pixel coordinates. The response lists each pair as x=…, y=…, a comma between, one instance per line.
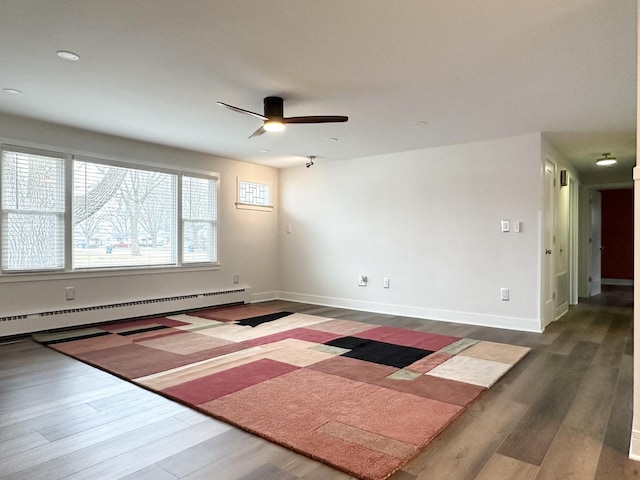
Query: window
x=199, y=226
x=123, y=217
x=252, y=195
x=72, y=214
x=33, y=211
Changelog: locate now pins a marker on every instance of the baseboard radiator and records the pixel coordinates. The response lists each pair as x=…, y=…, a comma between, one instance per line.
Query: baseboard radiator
x=54, y=319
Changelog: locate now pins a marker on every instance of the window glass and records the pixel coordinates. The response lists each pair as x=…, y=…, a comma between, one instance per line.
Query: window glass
x=250, y=193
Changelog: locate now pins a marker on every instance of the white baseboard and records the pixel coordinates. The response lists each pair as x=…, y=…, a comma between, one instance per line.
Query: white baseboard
x=264, y=297
x=617, y=281
x=483, y=320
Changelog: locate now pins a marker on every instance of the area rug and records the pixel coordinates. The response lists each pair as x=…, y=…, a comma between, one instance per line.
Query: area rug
x=362, y=398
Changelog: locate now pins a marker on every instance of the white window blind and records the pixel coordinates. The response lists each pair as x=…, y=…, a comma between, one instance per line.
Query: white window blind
x=33, y=211
x=199, y=219
x=123, y=217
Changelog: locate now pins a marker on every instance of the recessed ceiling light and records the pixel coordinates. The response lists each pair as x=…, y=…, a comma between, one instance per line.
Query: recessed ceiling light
x=13, y=91
x=66, y=55
x=333, y=139
x=265, y=150
x=421, y=123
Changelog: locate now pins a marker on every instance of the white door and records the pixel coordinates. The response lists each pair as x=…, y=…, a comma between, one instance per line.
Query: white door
x=595, y=244
x=548, y=264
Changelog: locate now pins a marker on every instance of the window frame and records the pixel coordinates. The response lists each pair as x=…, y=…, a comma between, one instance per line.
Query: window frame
x=69, y=160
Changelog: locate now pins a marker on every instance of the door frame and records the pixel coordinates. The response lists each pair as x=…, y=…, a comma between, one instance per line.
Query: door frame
x=593, y=248
x=548, y=273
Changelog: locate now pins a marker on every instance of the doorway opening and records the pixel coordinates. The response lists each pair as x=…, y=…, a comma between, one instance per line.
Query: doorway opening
x=610, y=248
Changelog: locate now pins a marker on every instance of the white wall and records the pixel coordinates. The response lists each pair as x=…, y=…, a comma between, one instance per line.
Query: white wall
x=427, y=219
x=248, y=239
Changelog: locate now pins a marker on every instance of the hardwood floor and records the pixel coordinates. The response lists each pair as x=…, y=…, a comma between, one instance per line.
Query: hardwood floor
x=564, y=412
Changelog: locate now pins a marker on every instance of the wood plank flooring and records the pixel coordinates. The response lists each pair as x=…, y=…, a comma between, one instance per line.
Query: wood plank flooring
x=564, y=412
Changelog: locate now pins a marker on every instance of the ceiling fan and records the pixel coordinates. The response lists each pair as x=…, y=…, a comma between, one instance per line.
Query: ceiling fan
x=274, y=119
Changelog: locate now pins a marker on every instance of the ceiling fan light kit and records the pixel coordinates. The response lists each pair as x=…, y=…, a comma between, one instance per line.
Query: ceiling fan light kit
x=274, y=119
x=273, y=126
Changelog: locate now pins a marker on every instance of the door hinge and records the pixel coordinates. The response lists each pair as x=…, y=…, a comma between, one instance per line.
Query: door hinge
x=590, y=241
x=554, y=295
x=589, y=278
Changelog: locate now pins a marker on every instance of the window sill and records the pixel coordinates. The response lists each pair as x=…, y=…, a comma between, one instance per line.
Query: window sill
x=107, y=272
x=249, y=206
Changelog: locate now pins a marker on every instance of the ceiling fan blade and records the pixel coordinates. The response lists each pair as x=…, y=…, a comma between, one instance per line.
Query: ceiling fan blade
x=242, y=110
x=316, y=119
x=258, y=132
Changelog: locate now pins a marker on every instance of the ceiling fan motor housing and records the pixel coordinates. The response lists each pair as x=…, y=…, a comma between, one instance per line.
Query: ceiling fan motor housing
x=273, y=107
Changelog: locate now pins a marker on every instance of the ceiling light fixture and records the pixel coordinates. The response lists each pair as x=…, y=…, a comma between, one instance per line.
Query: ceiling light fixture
x=332, y=139
x=67, y=55
x=12, y=91
x=606, y=161
x=273, y=126
x=265, y=150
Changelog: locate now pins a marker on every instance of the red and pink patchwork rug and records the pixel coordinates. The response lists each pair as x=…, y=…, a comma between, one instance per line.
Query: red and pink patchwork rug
x=362, y=398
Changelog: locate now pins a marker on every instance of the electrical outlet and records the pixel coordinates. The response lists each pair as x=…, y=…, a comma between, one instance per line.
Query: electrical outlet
x=504, y=294
x=362, y=280
x=236, y=279
x=385, y=282
x=70, y=293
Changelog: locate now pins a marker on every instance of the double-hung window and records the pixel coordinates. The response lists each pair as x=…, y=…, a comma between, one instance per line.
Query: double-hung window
x=33, y=211
x=199, y=220
x=76, y=214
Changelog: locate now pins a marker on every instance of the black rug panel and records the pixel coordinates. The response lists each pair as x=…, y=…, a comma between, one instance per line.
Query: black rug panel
x=382, y=353
x=255, y=321
x=143, y=330
x=73, y=339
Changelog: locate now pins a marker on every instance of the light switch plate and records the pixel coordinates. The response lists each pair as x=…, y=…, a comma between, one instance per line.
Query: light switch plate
x=504, y=225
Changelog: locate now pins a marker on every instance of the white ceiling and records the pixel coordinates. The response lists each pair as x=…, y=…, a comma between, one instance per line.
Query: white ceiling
x=154, y=69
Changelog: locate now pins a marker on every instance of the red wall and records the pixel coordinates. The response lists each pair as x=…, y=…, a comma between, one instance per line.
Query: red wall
x=617, y=234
